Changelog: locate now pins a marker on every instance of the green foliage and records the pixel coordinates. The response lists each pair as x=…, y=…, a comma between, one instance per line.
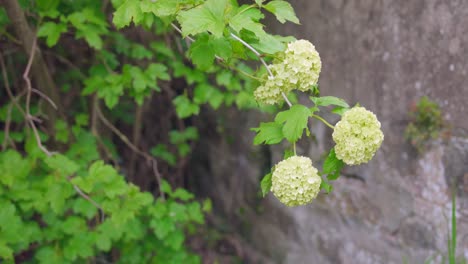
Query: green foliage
x=426, y=123
x=210, y=16
x=282, y=10
x=39, y=201
x=268, y=133
x=329, y=100
x=266, y=184
x=295, y=121
x=332, y=166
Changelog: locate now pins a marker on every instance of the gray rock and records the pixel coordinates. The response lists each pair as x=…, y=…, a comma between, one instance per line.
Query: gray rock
x=384, y=54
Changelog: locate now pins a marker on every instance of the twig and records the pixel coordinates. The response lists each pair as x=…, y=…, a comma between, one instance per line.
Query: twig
x=263, y=62
x=247, y=45
x=7, y=86
x=45, y=97
x=95, y=130
x=324, y=121
x=7, y=128
x=250, y=48
x=26, y=76
x=136, y=135
x=180, y=32
x=10, y=37
x=30, y=119
x=85, y=196
x=134, y=148
x=67, y=62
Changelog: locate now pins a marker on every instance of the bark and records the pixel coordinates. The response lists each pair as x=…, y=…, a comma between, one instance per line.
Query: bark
x=41, y=76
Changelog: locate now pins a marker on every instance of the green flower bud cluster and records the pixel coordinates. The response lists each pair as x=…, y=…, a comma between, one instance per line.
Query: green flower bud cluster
x=295, y=181
x=357, y=136
x=297, y=68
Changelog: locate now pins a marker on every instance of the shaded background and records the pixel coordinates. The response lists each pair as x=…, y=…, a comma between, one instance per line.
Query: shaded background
x=386, y=55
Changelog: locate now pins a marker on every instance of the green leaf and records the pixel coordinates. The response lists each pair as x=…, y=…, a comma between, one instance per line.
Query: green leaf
x=326, y=186
x=207, y=17
x=205, y=48
x=282, y=10
x=166, y=187
x=288, y=153
x=177, y=137
x=295, y=121
x=128, y=11
x=182, y=194
x=84, y=207
x=57, y=195
x=162, y=227
x=158, y=70
x=183, y=149
x=207, y=205
x=93, y=39
x=268, y=133
x=6, y=253
x=184, y=107
x=4, y=20
x=202, y=53
x=265, y=184
x=247, y=18
x=161, y=151
x=332, y=166
x=62, y=164
x=103, y=242
x=222, y=47
x=340, y=110
x=46, y=5
x=206, y=93
x=51, y=31
x=329, y=100
x=61, y=131
x=160, y=8
x=13, y=168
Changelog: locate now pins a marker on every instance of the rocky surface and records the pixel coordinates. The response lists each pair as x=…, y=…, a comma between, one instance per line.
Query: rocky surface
x=384, y=54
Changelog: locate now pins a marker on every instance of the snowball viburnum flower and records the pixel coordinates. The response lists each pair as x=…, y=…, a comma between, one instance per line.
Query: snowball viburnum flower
x=303, y=63
x=295, y=181
x=357, y=136
x=297, y=68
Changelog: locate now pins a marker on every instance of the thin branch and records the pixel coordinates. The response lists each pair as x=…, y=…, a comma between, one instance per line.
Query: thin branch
x=26, y=76
x=250, y=48
x=247, y=45
x=137, y=124
x=8, y=88
x=7, y=128
x=67, y=62
x=180, y=32
x=41, y=94
x=134, y=148
x=30, y=120
x=324, y=121
x=10, y=37
x=85, y=196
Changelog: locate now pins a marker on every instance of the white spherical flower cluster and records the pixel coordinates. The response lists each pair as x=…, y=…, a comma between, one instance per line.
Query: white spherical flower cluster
x=295, y=181
x=303, y=63
x=357, y=136
x=297, y=68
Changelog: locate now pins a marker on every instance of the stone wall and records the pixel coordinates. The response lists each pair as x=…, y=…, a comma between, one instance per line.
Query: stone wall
x=384, y=54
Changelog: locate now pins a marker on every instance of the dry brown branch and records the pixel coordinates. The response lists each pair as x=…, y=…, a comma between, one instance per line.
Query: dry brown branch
x=30, y=119
x=6, y=136
x=136, y=137
x=151, y=160
x=38, y=68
